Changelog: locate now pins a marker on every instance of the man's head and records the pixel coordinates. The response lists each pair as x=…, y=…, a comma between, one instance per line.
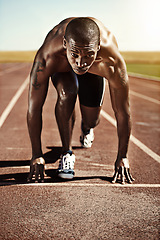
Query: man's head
x=81, y=41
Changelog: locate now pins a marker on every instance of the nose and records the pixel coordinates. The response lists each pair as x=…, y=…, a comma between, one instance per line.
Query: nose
x=80, y=62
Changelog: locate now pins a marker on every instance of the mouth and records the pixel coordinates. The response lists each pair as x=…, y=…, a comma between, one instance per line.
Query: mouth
x=81, y=70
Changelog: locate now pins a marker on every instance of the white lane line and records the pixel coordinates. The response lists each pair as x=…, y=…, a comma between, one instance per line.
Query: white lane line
x=138, y=143
x=144, y=77
x=109, y=167
x=11, y=69
x=144, y=97
x=13, y=101
x=70, y=184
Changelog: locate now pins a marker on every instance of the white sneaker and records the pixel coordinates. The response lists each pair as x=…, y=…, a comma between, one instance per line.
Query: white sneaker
x=87, y=140
x=66, y=166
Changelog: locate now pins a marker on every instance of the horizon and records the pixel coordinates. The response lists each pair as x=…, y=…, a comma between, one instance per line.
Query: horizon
x=25, y=24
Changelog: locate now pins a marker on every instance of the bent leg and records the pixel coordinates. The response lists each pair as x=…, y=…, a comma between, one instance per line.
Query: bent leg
x=90, y=117
x=66, y=85
x=91, y=93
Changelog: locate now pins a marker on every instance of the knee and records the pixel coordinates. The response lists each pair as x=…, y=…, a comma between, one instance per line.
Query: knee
x=67, y=94
x=91, y=123
x=66, y=85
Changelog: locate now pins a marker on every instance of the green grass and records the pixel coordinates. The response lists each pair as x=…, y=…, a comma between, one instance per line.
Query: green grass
x=145, y=69
x=142, y=57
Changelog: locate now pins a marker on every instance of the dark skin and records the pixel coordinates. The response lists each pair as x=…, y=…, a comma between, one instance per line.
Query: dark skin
x=61, y=59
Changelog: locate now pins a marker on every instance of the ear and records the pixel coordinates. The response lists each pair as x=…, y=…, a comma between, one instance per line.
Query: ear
x=64, y=43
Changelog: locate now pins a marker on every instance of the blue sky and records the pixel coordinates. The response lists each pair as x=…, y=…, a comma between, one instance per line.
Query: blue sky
x=25, y=23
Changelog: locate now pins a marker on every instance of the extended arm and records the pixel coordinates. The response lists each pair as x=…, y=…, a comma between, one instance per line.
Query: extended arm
x=37, y=93
x=119, y=90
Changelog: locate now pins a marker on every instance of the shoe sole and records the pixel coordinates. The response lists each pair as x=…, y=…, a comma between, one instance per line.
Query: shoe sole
x=84, y=146
x=65, y=175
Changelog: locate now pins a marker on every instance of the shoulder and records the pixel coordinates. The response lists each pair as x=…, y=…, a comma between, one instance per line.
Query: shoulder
x=106, y=36
x=52, y=44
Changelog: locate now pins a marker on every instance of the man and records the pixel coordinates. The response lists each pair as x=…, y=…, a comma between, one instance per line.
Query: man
x=78, y=54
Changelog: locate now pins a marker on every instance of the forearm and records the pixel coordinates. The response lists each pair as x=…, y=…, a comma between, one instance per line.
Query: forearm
x=123, y=131
x=34, y=121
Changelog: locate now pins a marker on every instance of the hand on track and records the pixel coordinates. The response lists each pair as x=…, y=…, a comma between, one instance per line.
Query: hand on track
x=37, y=169
x=122, y=169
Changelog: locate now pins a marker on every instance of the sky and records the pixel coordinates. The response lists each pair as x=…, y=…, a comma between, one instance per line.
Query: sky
x=25, y=23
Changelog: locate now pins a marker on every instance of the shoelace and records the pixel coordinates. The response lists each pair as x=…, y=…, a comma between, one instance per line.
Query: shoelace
x=66, y=163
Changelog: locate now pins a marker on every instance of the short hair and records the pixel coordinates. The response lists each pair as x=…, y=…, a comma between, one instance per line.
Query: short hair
x=82, y=30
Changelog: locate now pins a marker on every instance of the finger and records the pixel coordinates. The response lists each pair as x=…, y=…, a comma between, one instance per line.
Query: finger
x=133, y=179
x=115, y=176
x=32, y=168
x=37, y=170
x=129, y=179
x=122, y=175
x=41, y=166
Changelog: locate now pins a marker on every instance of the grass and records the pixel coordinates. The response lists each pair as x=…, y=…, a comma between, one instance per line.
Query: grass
x=144, y=69
x=147, y=63
x=17, y=56
x=142, y=57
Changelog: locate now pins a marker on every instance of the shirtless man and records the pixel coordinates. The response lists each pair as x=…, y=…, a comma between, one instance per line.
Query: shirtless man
x=78, y=54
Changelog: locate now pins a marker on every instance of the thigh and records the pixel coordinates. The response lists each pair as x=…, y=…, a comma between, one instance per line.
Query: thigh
x=91, y=93
x=91, y=90
x=66, y=83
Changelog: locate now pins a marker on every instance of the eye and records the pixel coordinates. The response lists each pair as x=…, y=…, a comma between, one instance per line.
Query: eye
x=90, y=55
x=74, y=55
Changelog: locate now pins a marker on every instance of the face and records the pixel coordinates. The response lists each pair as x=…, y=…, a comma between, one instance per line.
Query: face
x=81, y=57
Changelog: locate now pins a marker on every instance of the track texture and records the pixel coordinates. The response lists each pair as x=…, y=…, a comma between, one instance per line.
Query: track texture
x=89, y=206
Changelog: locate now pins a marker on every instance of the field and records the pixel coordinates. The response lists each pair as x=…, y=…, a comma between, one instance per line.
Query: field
x=146, y=63
x=144, y=69
x=16, y=56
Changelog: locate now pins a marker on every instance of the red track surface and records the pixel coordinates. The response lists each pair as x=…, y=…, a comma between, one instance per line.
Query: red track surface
x=89, y=206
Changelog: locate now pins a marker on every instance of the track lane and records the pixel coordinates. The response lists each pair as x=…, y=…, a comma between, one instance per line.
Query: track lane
x=11, y=81
x=54, y=130
x=89, y=206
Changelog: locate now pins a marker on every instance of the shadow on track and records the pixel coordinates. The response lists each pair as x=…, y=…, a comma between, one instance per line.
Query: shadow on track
x=50, y=157
x=51, y=177
x=50, y=174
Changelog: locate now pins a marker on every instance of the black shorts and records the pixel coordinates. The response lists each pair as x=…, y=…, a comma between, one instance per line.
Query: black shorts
x=91, y=89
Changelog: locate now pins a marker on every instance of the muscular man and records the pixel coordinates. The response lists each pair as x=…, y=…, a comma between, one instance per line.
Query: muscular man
x=78, y=54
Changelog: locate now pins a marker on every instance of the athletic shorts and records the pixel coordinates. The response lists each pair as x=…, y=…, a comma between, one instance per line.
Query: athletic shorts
x=91, y=89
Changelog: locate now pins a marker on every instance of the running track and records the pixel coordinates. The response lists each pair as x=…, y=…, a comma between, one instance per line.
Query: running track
x=89, y=206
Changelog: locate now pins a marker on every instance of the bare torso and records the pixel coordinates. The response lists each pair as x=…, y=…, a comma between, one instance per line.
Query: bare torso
x=54, y=55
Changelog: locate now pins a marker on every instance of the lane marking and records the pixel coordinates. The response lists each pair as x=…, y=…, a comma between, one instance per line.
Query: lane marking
x=144, y=97
x=100, y=165
x=70, y=184
x=16, y=148
x=137, y=142
x=11, y=69
x=144, y=77
x=13, y=101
